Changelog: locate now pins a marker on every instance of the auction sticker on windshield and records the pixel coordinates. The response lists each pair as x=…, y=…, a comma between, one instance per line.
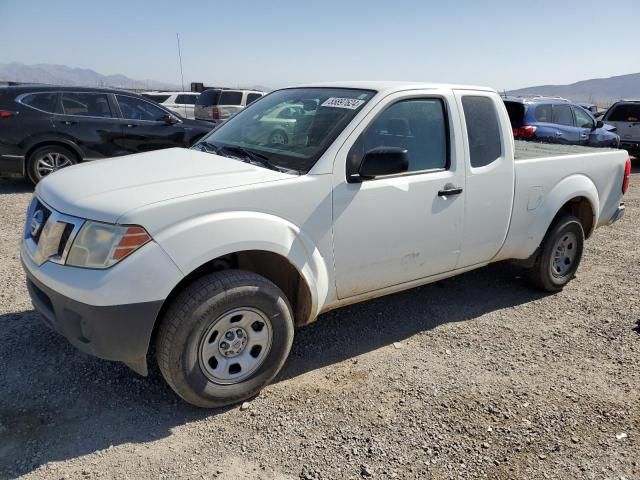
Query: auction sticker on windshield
x=337, y=102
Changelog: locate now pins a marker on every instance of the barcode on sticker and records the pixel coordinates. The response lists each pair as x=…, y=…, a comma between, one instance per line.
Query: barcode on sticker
x=337, y=102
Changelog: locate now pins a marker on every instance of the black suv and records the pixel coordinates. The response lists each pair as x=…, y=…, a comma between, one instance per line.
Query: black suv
x=45, y=128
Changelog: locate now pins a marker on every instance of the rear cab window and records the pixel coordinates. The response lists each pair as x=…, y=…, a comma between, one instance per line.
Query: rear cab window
x=483, y=130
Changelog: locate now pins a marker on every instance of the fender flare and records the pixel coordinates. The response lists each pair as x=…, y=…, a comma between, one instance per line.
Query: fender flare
x=37, y=142
x=219, y=234
x=570, y=187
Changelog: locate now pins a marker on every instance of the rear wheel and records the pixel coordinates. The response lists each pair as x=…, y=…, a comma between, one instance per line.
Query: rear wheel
x=224, y=338
x=559, y=255
x=48, y=159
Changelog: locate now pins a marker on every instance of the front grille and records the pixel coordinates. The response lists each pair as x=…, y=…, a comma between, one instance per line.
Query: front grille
x=49, y=234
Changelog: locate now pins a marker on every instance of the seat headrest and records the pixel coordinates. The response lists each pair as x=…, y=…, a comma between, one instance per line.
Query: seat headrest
x=398, y=126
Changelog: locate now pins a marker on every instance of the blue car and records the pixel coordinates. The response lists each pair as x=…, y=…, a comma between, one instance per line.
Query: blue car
x=558, y=121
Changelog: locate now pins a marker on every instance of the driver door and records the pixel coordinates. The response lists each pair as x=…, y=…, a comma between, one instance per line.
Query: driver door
x=398, y=228
x=144, y=127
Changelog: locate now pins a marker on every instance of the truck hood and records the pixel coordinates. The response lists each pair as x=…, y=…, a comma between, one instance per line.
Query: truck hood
x=104, y=190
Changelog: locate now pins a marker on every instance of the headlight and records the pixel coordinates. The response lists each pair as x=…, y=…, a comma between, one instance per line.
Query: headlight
x=100, y=245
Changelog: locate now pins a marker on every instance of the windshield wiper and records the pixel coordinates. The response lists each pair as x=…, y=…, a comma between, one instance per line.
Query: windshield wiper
x=255, y=158
x=247, y=156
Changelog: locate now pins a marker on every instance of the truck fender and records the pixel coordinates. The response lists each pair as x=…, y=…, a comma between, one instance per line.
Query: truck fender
x=196, y=241
x=570, y=187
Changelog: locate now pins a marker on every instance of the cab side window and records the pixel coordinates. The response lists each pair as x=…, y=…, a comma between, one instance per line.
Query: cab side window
x=562, y=115
x=136, y=109
x=418, y=125
x=583, y=119
x=86, y=104
x=483, y=130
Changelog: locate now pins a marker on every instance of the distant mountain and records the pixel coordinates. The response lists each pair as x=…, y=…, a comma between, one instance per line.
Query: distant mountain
x=63, y=75
x=601, y=91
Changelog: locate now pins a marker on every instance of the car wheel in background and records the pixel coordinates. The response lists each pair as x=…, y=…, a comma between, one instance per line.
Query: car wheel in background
x=48, y=159
x=278, y=137
x=224, y=337
x=559, y=255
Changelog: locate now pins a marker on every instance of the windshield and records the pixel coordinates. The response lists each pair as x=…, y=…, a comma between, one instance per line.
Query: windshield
x=289, y=128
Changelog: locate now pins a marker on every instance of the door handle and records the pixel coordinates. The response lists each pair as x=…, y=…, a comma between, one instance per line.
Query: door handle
x=68, y=122
x=130, y=125
x=449, y=190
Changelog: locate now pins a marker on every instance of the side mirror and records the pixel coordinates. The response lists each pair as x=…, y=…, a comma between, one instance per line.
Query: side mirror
x=169, y=119
x=383, y=161
x=599, y=124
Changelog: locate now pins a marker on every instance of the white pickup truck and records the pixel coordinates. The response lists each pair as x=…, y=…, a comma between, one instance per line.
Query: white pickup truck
x=214, y=254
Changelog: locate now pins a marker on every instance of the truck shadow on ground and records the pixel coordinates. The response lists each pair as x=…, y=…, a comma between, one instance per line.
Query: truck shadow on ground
x=57, y=403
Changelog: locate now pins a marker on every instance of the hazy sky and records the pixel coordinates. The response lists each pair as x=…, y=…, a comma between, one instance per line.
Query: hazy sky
x=503, y=44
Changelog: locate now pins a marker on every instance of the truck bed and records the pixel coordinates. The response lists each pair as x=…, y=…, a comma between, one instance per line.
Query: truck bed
x=531, y=150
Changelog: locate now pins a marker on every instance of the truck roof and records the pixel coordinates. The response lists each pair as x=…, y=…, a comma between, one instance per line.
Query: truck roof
x=394, y=86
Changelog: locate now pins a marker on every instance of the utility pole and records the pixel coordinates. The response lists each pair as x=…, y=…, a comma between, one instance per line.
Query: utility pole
x=180, y=60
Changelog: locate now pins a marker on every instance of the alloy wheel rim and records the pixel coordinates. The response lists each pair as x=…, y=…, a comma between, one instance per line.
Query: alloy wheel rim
x=564, y=254
x=277, y=138
x=235, y=345
x=50, y=162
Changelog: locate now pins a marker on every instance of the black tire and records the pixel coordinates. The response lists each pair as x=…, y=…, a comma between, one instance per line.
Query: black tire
x=35, y=173
x=278, y=133
x=547, y=275
x=197, y=309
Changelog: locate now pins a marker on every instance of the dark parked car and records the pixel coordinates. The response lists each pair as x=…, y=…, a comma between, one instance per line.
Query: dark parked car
x=558, y=121
x=45, y=128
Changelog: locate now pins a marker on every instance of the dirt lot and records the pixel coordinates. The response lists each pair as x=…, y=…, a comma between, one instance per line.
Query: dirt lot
x=474, y=377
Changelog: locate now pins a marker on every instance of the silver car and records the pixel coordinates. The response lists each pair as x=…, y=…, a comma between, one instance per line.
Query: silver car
x=625, y=116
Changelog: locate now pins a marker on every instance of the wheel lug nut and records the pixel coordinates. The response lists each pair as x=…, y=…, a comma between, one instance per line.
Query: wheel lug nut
x=239, y=333
x=224, y=345
x=229, y=335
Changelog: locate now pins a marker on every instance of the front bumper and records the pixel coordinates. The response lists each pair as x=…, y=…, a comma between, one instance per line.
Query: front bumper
x=115, y=332
x=107, y=313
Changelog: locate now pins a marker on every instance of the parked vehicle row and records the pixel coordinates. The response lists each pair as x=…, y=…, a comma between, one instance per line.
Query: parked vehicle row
x=216, y=253
x=218, y=104
x=558, y=121
x=46, y=128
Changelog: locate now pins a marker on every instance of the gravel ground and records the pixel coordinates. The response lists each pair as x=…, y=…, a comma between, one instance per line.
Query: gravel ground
x=474, y=377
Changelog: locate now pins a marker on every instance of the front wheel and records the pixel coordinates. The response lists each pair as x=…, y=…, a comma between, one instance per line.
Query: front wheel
x=224, y=337
x=278, y=137
x=559, y=256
